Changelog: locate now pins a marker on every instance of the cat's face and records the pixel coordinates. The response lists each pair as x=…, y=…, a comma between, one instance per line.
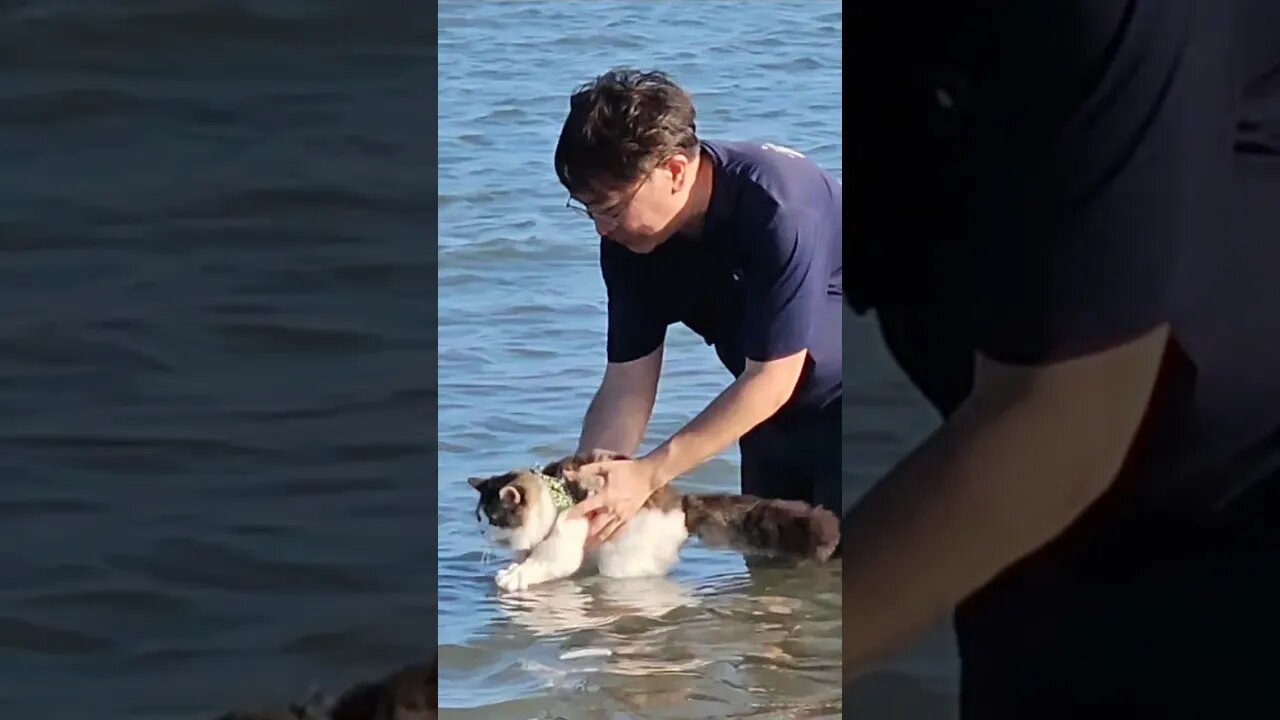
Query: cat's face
x=517, y=507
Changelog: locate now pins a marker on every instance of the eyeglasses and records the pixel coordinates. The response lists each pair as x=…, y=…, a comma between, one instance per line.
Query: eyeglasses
x=617, y=209
x=613, y=213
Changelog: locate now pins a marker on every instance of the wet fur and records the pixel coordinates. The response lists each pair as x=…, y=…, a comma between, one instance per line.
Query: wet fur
x=549, y=545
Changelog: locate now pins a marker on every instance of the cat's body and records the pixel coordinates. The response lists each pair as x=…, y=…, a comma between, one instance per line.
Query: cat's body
x=528, y=511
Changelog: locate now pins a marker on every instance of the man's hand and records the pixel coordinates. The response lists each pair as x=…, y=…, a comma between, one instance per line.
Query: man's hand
x=750, y=400
x=625, y=486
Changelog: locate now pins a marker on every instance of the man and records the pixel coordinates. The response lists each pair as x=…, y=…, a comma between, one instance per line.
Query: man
x=741, y=242
x=1067, y=221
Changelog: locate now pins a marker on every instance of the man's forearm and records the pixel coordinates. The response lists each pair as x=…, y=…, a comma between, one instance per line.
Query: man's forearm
x=750, y=400
x=613, y=423
x=986, y=489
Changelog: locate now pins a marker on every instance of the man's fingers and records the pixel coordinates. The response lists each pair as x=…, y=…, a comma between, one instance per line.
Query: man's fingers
x=611, y=528
x=599, y=523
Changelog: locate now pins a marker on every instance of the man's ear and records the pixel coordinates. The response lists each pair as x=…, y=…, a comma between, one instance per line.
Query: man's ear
x=681, y=176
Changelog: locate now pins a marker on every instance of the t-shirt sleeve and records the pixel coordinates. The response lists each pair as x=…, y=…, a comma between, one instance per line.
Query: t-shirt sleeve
x=1104, y=152
x=784, y=281
x=636, y=324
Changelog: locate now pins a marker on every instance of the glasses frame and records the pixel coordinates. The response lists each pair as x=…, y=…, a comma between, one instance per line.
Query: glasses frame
x=621, y=206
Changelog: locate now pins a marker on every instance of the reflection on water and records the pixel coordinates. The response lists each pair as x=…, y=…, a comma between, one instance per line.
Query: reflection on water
x=757, y=643
x=559, y=608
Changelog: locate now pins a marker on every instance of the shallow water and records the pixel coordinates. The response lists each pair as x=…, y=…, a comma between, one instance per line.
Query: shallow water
x=884, y=418
x=216, y=352
x=521, y=351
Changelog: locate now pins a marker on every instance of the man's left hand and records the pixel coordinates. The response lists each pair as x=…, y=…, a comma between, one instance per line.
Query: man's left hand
x=625, y=486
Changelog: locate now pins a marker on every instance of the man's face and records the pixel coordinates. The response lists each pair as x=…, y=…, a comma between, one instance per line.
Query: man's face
x=646, y=213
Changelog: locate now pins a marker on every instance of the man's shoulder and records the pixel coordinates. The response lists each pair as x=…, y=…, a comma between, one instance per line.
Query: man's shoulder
x=770, y=178
x=772, y=167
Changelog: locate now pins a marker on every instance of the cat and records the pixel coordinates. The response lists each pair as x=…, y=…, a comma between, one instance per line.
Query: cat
x=526, y=511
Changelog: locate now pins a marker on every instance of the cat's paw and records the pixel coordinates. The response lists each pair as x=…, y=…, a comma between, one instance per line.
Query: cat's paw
x=514, y=577
x=505, y=571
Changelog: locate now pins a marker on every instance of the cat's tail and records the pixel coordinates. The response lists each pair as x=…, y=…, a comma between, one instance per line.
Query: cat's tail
x=772, y=527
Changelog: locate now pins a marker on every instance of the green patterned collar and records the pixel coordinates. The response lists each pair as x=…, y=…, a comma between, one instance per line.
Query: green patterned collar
x=560, y=497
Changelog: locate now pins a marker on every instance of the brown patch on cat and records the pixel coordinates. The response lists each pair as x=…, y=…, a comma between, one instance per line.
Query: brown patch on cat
x=571, y=463
x=787, y=527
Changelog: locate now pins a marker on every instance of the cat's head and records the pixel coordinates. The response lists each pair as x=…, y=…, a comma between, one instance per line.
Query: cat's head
x=517, y=506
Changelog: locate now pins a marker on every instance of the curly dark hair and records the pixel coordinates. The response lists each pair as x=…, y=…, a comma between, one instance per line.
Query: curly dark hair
x=619, y=126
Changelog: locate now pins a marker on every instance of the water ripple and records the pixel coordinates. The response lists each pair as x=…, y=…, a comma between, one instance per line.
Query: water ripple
x=25, y=636
x=186, y=562
x=146, y=23
x=217, y=374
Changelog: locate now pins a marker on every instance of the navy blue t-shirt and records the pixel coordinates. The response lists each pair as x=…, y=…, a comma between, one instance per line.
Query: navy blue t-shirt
x=762, y=280
x=1049, y=179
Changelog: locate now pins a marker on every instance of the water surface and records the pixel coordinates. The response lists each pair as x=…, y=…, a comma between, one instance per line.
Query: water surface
x=216, y=352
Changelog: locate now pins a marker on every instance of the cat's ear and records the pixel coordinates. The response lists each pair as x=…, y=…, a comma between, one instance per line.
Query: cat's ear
x=510, y=495
x=477, y=482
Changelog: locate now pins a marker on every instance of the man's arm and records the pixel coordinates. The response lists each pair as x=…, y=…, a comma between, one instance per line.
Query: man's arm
x=1106, y=148
x=620, y=410
x=1026, y=454
x=785, y=288
x=761, y=390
